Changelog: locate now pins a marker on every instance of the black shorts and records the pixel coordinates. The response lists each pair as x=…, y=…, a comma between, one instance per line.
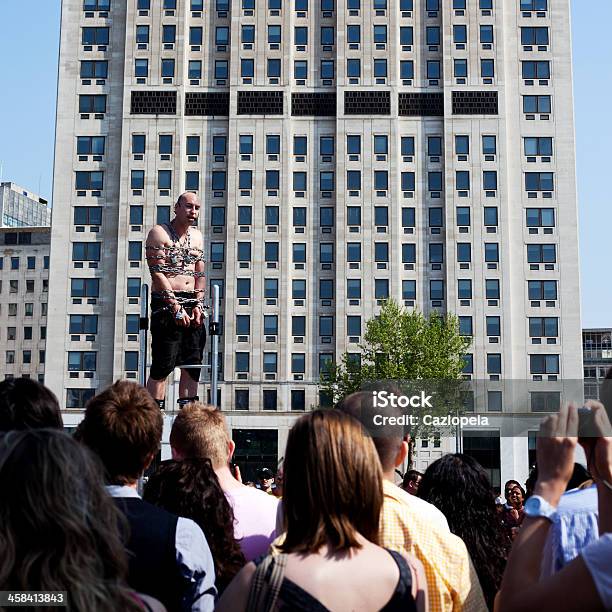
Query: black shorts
x=174, y=345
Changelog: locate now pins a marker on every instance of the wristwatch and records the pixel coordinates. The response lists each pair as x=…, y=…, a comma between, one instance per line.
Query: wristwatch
x=536, y=507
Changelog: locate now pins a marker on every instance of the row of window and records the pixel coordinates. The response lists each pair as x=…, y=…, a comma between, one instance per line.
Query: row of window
x=11, y=333
x=28, y=309
x=30, y=286
x=538, y=364
x=15, y=262
x=26, y=356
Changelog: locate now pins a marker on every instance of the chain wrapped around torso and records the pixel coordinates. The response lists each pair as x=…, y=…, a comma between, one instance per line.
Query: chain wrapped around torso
x=175, y=259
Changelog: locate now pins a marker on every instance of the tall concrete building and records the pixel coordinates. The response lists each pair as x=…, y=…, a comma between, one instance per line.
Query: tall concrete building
x=24, y=286
x=22, y=208
x=345, y=151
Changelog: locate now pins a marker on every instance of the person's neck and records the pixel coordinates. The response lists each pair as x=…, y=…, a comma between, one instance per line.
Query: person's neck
x=181, y=228
x=390, y=475
x=226, y=478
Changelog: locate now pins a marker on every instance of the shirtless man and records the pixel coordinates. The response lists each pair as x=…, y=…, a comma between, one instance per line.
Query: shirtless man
x=175, y=257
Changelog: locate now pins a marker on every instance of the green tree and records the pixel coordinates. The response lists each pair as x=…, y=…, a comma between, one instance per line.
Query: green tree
x=404, y=346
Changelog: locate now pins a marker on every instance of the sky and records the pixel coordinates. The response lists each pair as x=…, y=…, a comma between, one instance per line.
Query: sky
x=28, y=83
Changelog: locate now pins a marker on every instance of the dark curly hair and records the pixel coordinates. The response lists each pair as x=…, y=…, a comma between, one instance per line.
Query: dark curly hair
x=190, y=488
x=459, y=486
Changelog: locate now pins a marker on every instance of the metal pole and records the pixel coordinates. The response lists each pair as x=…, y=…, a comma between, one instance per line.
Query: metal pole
x=144, y=331
x=214, y=334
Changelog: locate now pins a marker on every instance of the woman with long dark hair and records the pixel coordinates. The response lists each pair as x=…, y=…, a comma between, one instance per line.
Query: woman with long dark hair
x=59, y=529
x=330, y=558
x=190, y=488
x=459, y=486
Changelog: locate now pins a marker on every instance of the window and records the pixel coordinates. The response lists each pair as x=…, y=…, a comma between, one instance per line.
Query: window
x=459, y=34
x=131, y=361
x=409, y=290
x=300, y=36
x=353, y=325
x=274, y=34
x=299, y=252
x=406, y=69
x=460, y=68
x=433, y=69
x=464, y=289
x=489, y=180
x=326, y=252
x=492, y=289
x=89, y=180
x=301, y=5
x=247, y=68
x=272, y=179
x=539, y=181
x=468, y=367
x=243, y=288
x=536, y=70
x=299, y=181
x=300, y=145
x=544, y=364
x=434, y=181
x=245, y=144
x=81, y=360
x=326, y=289
x=381, y=288
x=137, y=179
x=298, y=326
x=132, y=323
x=535, y=5
x=381, y=144
x=381, y=252
x=31, y=264
x=327, y=69
x=493, y=326
x=464, y=252
x=219, y=180
x=272, y=215
x=325, y=363
x=463, y=216
x=353, y=34
x=534, y=36
x=271, y=252
x=435, y=217
x=406, y=5
x=27, y=333
x=436, y=289
x=487, y=68
x=462, y=180
x=270, y=364
x=242, y=362
x=465, y=326
x=353, y=180
x=96, y=5
x=542, y=290
x=300, y=69
x=491, y=252
x=298, y=399
x=133, y=287
x=194, y=69
x=381, y=180
x=408, y=181
x=164, y=179
x=380, y=68
x=540, y=217
x=168, y=34
x=407, y=145
x=381, y=215
x=270, y=288
x=326, y=216
x=84, y=287
x=298, y=363
x=244, y=251
x=245, y=179
x=221, y=69
x=406, y=35
x=143, y=4
x=90, y=145
x=241, y=399
x=96, y=36
x=486, y=34
x=432, y=35
x=326, y=145
x=432, y=5
x=380, y=34
x=86, y=251
x=486, y=4
x=272, y=144
x=134, y=250
x=298, y=289
x=326, y=181
x=299, y=216
x=547, y=327
x=408, y=253
x=94, y=69
x=353, y=252
x=541, y=253
x=538, y=146
x=269, y=395
x=12, y=310
x=489, y=145
x=217, y=252
x=536, y=104
x=353, y=215
x=13, y=286
x=490, y=216
x=77, y=398
x=328, y=37
x=247, y=34
x=195, y=36
x=10, y=357
x=353, y=68
x=138, y=144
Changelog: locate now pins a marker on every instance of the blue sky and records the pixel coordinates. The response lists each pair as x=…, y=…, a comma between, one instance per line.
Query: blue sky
x=28, y=75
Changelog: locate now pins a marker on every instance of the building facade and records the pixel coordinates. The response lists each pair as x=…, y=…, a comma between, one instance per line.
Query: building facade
x=345, y=151
x=597, y=352
x=22, y=208
x=24, y=287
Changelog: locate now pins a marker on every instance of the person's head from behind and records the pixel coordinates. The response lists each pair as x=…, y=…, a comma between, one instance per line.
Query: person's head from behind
x=59, y=530
x=26, y=404
x=190, y=488
x=200, y=431
x=411, y=482
x=390, y=441
x=332, y=484
x=123, y=426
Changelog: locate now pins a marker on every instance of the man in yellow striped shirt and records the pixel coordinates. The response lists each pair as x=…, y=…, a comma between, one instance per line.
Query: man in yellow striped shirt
x=411, y=525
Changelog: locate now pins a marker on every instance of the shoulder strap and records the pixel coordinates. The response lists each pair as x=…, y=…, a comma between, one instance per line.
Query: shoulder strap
x=266, y=584
x=402, y=597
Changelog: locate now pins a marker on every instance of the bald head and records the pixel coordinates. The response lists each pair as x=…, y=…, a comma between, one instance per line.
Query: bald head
x=187, y=197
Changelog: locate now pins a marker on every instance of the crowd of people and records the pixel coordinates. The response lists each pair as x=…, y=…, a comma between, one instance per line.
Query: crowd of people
x=331, y=532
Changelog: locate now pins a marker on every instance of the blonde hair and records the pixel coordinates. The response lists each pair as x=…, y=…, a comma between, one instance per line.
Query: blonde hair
x=200, y=431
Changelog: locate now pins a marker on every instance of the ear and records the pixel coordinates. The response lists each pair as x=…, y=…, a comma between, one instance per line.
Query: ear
x=176, y=455
x=231, y=447
x=402, y=453
x=149, y=460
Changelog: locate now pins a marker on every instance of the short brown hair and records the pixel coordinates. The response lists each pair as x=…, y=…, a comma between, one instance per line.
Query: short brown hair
x=200, y=432
x=123, y=426
x=332, y=484
x=387, y=440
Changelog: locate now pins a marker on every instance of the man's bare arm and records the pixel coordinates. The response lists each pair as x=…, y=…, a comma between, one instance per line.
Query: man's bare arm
x=156, y=256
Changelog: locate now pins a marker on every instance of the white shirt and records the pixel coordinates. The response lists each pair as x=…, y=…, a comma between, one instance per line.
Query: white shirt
x=598, y=559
